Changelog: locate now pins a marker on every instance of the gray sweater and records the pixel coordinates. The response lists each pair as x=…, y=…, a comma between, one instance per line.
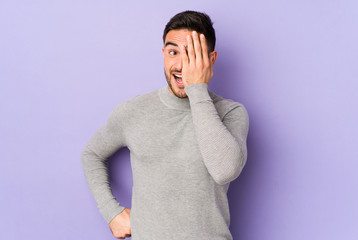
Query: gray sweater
x=184, y=153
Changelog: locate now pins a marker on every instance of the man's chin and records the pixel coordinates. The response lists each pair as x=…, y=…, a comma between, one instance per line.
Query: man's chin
x=176, y=91
x=179, y=91
x=181, y=94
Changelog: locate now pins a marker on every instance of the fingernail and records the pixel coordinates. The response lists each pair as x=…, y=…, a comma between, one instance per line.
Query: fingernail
x=188, y=37
x=194, y=33
x=202, y=36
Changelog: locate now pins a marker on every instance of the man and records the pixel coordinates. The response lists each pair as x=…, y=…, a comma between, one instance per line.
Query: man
x=186, y=145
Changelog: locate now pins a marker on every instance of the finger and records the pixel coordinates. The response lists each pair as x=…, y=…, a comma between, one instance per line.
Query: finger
x=197, y=48
x=191, y=53
x=184, y=56
x=204, y=47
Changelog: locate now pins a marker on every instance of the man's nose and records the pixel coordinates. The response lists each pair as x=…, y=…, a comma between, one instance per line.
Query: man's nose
x=179, y=64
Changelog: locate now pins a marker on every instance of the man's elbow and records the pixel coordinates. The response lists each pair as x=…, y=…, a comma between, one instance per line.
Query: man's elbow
x=84, y=155
x=87, y=155
x=230, y=173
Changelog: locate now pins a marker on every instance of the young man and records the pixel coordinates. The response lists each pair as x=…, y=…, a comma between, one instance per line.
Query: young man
x=186, y=143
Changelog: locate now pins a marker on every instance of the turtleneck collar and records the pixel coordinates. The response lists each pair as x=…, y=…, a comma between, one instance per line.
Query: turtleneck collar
x=173, y=101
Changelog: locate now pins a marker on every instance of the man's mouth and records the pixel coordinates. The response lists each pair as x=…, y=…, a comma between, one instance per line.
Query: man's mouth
x=179, y=80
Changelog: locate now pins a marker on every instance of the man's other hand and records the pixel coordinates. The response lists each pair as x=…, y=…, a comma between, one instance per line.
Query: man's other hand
x=120, y=224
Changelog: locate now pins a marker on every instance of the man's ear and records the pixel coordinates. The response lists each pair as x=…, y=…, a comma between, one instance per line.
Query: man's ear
x=213, y=56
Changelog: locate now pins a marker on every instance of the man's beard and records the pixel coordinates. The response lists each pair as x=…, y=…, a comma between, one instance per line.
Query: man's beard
x=179, y=95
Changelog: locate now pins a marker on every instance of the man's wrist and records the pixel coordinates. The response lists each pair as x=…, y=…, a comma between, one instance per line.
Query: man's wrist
x=111, y=210
x=198, y=93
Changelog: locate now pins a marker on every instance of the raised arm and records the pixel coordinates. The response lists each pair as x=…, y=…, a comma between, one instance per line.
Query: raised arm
x=222, y=141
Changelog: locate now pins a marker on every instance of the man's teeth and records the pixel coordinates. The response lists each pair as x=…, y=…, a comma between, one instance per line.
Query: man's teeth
x=178, y=76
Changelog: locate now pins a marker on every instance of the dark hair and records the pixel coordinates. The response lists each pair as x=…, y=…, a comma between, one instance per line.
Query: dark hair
x=193, y=21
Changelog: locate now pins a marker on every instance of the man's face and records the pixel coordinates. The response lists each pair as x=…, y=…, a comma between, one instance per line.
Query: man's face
x=173, y=62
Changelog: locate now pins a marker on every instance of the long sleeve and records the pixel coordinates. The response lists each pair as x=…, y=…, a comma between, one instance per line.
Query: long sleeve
x=106, y=141
x=222, y=142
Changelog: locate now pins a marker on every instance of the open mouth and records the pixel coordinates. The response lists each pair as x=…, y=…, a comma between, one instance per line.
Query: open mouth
x=179, y=80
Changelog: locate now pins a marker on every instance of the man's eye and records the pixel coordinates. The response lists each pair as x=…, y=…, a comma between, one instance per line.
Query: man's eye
x=172, y=53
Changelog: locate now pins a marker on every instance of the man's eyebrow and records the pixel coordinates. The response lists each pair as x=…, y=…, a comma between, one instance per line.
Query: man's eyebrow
x=171, y=43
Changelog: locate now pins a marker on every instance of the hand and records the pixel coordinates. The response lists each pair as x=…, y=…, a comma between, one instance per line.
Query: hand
x=120, y=225
x=197, y=67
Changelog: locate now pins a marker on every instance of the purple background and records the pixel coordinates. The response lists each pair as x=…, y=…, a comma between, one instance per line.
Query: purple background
x=64, y=65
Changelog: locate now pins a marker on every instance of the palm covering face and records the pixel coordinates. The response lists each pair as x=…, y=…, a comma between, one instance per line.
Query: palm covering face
x=197, y=67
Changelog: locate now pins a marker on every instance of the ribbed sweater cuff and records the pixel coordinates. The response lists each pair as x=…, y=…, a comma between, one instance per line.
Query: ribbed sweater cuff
x=110, y=210
x=198, y=93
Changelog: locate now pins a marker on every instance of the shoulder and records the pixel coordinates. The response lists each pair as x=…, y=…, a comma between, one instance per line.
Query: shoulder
x=142, y=100
x=225, y=106
x=139, y=103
